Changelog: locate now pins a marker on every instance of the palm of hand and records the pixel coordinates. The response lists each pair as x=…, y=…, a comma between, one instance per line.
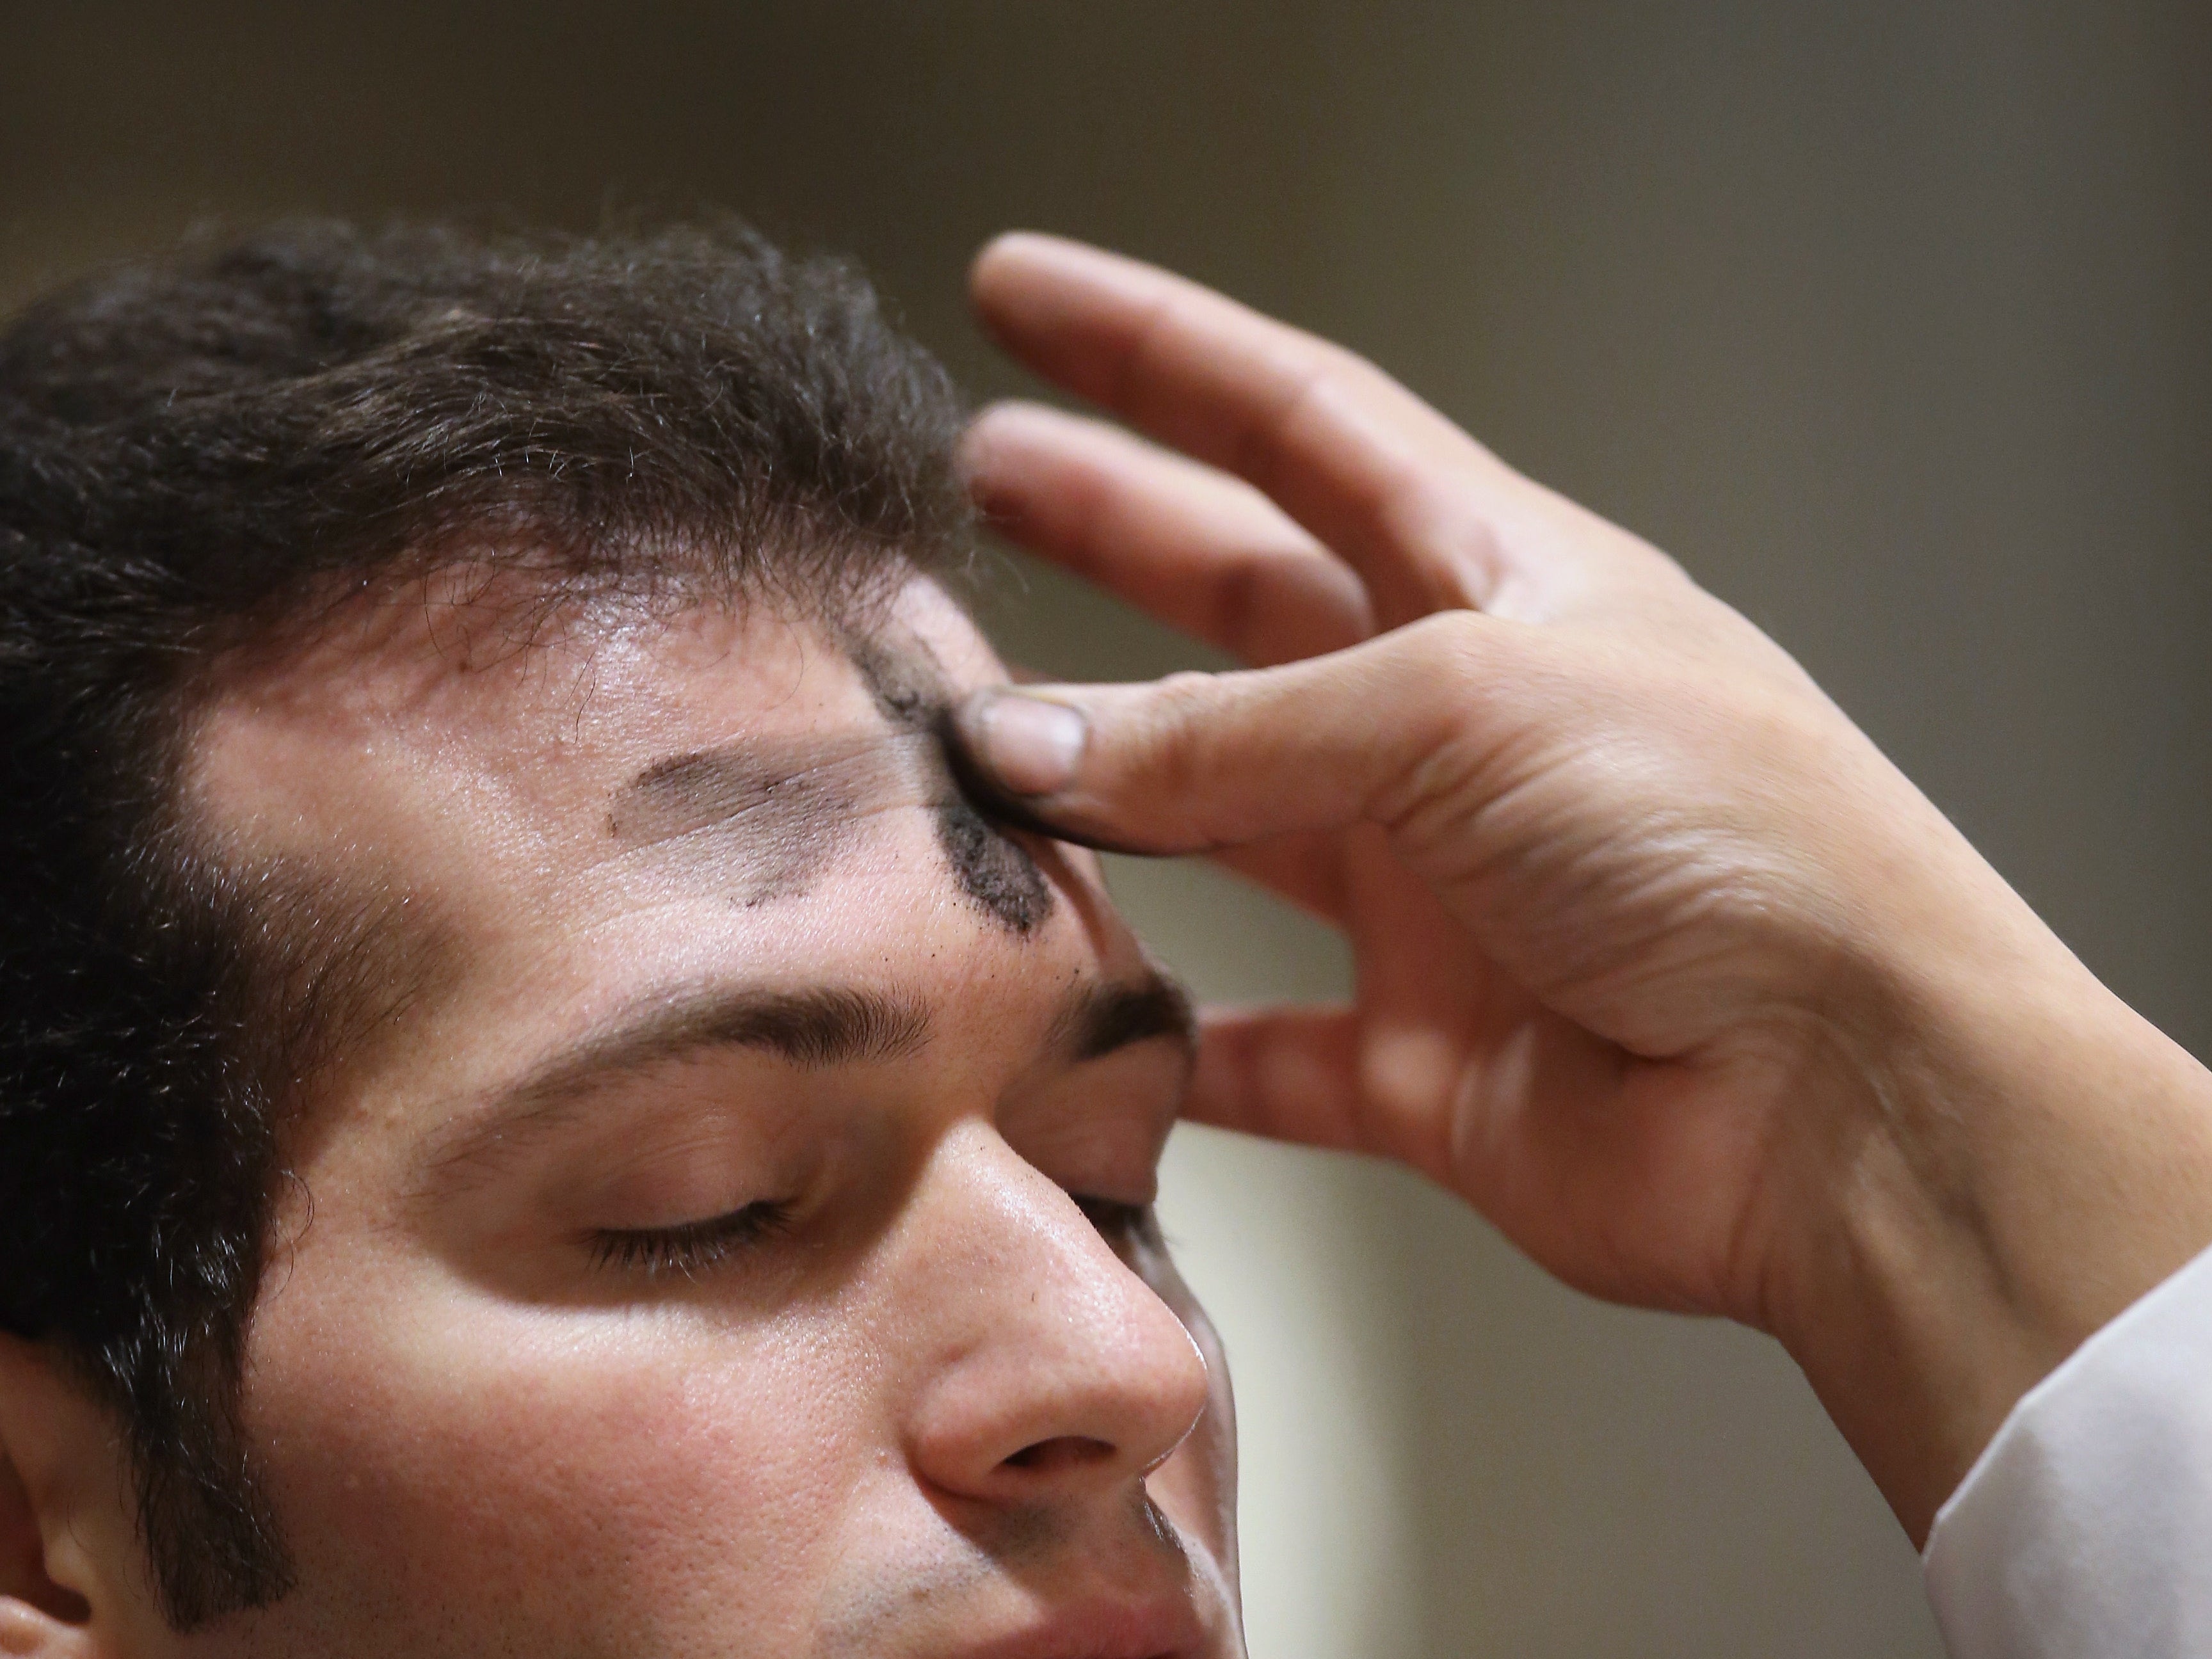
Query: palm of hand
x=1562, y=1013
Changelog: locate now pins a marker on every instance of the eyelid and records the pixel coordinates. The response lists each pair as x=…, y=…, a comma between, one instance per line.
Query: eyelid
x=693, y=1247
x=1102, y=1210
x=699, y=1151
x=1127, y=1228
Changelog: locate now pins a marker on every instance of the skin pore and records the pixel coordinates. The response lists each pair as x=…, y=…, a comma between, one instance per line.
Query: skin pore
x=744, y=1246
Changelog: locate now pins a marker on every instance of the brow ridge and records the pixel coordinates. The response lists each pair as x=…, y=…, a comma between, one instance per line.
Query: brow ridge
x=1103, y=1019
x=813, y=1027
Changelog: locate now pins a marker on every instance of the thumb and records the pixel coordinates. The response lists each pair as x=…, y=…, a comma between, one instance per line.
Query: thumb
x=1196, y=761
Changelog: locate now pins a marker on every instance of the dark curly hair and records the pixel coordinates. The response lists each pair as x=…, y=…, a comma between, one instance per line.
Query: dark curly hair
x=194, y=446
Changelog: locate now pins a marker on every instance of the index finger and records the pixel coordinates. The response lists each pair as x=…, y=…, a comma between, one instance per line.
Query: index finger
x=1411, y=502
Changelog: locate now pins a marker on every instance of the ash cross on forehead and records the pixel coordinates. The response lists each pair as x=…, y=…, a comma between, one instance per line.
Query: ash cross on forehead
x=781, y=810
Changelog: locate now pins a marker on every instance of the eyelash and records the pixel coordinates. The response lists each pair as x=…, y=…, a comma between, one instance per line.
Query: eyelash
x=695, y=1248
x=1119, y=1224
x=699, y=1246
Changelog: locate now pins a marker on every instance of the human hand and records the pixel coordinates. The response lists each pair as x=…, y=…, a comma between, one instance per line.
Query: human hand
x=1660, y=964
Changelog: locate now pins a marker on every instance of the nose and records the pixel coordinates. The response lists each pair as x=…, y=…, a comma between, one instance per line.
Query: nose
x=1053, y=1369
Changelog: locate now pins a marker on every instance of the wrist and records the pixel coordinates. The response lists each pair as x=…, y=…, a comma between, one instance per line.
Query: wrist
x=2013, y=1157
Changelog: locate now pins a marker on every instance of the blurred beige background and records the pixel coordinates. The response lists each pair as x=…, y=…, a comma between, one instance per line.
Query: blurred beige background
x=1889, y=320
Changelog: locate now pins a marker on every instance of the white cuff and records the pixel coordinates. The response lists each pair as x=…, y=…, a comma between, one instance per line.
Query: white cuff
x=2084, y=1531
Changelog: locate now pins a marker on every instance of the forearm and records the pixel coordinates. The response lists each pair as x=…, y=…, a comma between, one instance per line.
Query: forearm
x=2028, y=1158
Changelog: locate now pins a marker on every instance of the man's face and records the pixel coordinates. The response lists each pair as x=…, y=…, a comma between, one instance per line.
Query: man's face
x=738, y=1245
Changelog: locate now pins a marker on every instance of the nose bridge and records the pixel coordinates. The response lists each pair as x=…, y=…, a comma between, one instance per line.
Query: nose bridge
x=1043, y=1361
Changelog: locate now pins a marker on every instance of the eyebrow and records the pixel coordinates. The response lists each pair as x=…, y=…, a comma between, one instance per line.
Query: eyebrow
x=816, y=1028
x=1100, y=1020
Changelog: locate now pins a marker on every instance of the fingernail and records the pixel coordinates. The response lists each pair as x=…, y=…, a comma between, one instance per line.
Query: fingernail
x=1031, y=744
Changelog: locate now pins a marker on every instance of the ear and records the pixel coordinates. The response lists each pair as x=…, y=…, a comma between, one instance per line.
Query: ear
x=70, y=1582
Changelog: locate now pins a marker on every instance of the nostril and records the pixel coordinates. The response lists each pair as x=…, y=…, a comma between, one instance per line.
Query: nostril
x=1066, y=1451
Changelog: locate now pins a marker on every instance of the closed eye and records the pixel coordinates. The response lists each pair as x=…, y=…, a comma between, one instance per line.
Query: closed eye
x=1125, y=1226
x=692, y=1249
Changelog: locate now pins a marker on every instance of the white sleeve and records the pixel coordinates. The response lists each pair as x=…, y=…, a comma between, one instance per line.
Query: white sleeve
x=2084, y=1530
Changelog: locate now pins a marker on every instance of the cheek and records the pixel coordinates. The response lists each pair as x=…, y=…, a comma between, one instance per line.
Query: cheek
x=495, y=1466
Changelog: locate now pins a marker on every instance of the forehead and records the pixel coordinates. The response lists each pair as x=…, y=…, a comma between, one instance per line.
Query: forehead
x=556, y=812
x=406, y=718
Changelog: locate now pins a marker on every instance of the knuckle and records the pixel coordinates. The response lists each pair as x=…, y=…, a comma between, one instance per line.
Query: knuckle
x=1259, y=449
x=1450, y=647
x=1455, y=524
x=1176, y=713
x=1240, y=602
x=1186, y=691
x=1174, y=746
